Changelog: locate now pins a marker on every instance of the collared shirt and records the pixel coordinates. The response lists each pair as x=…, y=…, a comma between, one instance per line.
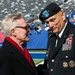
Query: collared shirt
x=60, y=34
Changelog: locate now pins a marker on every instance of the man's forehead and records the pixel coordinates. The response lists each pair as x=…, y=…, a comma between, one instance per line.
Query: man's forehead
x=21, y=21
x=52, y=17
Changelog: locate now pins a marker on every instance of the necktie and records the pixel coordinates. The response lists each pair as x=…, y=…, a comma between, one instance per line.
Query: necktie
x=57, y=39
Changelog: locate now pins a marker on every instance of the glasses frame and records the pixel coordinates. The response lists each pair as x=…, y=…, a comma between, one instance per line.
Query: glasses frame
x=26, y=27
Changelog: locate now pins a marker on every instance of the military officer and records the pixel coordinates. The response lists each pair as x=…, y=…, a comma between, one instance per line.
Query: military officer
x=61, y=51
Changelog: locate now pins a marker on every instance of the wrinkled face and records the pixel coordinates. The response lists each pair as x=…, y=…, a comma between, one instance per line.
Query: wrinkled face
x=21, y=31
x=56, y=22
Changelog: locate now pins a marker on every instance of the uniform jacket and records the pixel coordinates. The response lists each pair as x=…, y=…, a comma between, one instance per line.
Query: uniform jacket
x=61, y=60
x=12, y=61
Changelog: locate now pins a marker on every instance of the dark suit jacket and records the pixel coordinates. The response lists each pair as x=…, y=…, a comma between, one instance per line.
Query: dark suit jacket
x=61, y=60
x=12, y=62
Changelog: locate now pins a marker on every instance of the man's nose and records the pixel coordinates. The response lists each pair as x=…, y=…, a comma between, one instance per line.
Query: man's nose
x=50, y=25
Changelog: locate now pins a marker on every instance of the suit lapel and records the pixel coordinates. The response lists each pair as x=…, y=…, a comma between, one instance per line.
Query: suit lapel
x=60, y=42
x=23, y=61
x=51, y=44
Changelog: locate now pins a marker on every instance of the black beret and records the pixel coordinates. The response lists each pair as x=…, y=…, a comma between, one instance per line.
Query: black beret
x=49, y=11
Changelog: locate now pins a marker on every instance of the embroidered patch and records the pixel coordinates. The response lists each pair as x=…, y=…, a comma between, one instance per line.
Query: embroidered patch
x=45, y=13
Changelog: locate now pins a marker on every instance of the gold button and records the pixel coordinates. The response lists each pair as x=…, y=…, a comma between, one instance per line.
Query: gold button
x=46, y=55
x=71, y=63
x=66, y=56
x=52, y=60
x=51, y=69
x=65, y=64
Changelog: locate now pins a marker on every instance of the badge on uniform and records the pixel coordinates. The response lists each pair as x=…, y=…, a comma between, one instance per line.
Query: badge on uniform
x=65, y=64
x=68, y=44
x=71, y=63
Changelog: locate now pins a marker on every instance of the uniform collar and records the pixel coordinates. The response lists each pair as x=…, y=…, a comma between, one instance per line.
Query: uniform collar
x=60, y=34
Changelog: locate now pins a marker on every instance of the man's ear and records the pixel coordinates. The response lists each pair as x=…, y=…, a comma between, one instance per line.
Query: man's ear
x=13, y=32
x=63, y=16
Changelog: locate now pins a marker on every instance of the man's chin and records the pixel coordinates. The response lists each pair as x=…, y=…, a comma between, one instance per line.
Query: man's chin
x=55, y=31
x=27, y=39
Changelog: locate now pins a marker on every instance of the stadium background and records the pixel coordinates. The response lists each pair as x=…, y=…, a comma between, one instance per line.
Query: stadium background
x=31, y=10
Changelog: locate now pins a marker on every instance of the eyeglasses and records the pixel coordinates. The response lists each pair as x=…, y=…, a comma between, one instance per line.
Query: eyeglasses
x=26, y=27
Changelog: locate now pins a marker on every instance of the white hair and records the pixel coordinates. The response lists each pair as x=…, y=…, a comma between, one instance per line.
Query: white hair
x=9, y=22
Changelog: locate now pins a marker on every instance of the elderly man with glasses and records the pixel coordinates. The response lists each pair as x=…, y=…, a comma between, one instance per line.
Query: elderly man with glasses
x=14, y=57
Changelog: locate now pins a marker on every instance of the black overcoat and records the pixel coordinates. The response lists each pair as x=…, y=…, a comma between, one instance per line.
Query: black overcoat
x=12, y=61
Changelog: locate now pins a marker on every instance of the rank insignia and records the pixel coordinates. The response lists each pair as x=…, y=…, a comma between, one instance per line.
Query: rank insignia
x=71, y=63
x=65, y=64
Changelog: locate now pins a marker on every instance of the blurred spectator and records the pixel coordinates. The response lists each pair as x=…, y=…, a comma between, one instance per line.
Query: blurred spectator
x=46, y=27
x=32, y=26
x=73, y=14
x=2, y=37
x=67, y=15
x=37, y=29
